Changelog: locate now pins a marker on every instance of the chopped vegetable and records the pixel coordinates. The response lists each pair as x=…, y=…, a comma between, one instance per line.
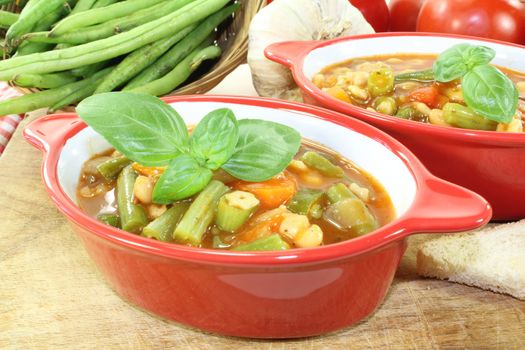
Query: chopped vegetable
x=463, y=117
x=351, y=213
x=112, y=167
x=109, y=219
x=272, y=242
x=427, y=95
x=162, y=228
x=132, y=216
x=271, y=193
x=381, y=82
x=234, y=209
x=324, y=166
x=200, y=214
x=339, y=192
x=307, y=202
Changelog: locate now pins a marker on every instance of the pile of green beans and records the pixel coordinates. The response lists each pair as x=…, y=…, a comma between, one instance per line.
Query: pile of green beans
x=71, y=49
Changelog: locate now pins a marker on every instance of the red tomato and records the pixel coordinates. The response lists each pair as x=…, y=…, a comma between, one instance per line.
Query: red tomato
x=375, y=12
x=495, y=19
x=403, y=15
x=428, y=95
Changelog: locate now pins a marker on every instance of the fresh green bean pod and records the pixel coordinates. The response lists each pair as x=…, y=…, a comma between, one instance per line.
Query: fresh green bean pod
x=28, y=19
x=44, y=81
x=307, y=202
x=138, y=60
x=6, y=2
x=89, y=70
x=111, y=47
x=109, y=219
x=463, y=117
x=162, y=227
x=180, y=73
x=381, y=82
x=234, y=209
x=76, y=96
x=8, y=18
x=324, y=166
x=30, y=102
x=177, y=53
x=100, y=15
x=200, y=214
x=110, y=28
x=104, y=3
x=338, y=192
x=132, y=216
x=425, y=76
x=351, y=213
x=26, y=48
x=272, y=242
x=112, y=167
x=83, y=5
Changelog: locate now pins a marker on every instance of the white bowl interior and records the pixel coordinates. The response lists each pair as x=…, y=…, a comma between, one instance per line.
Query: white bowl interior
x=367, y=153
x=506, y=55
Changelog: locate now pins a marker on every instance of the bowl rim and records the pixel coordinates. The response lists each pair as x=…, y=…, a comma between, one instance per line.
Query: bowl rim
x=414, y=220
x=296, y=63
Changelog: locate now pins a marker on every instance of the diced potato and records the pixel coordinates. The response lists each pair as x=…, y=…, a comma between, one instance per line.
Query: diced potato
x=242, y=200
x=311, y=237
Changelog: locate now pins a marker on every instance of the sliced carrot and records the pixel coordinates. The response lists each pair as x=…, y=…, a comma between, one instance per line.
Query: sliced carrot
x=339, y=93
x=428, y=95
x=271, y=193
x=261, y=229
x=441, y=101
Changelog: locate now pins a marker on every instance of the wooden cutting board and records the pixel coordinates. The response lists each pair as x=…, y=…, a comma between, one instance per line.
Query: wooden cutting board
x=52, y=296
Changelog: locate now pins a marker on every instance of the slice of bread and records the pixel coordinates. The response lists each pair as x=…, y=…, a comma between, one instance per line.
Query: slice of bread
x=492, y=258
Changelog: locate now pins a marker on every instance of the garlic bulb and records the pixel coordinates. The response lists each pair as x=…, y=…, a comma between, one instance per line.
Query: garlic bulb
x=293, y=20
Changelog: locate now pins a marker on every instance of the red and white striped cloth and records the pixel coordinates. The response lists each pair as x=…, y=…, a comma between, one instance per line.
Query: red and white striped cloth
x=8, y=123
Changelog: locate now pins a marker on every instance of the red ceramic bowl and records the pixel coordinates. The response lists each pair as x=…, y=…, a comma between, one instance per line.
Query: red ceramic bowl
x=489, y=163
x=296, y=293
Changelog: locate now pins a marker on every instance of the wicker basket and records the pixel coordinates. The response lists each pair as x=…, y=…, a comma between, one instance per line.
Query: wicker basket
x=232, y=37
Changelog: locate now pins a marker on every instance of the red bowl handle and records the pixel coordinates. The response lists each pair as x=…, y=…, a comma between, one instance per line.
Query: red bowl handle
x=444, y=207
x=289, y=53
x=49, y=130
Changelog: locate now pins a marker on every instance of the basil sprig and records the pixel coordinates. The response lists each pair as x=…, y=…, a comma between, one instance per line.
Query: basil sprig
x=152, y=133
x=486, y=89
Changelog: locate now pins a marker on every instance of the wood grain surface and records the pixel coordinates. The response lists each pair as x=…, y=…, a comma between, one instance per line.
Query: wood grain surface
x=52, y=296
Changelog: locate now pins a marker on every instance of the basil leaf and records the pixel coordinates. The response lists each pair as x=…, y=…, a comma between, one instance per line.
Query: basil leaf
x=477, y=55
x=490, y=93
x=264, y=149
x=183, y=178
x=213, y=140
x=450, y=64
x=140, y=126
